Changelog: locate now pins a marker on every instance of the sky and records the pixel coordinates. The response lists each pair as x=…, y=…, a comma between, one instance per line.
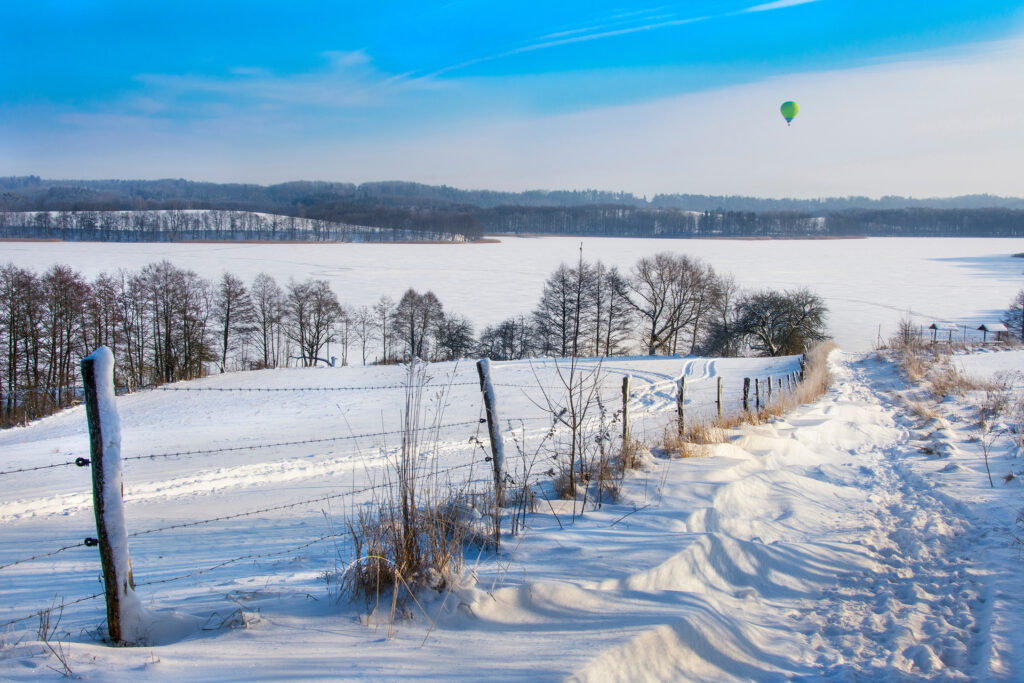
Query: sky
x=897, y=97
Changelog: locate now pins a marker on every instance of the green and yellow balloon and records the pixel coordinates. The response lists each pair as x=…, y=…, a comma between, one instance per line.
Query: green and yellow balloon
x=789, y=111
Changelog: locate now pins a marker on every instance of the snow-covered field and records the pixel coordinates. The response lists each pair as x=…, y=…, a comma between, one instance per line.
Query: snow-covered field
x=850, y=540
x=842, y=542
x=868, y=283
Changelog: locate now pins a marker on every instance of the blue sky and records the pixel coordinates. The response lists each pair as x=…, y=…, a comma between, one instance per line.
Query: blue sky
x=511, y=96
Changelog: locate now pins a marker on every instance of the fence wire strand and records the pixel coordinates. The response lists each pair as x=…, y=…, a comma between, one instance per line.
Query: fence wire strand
x=38, y=467
x=252, y=447
x=41, y=612
x=41, y=556
x=287, y=506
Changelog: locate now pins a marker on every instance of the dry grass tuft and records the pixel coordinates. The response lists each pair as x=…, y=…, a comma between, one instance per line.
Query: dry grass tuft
x=413, y=535
x=706, y=432
x=922, y=410
x=945, y=380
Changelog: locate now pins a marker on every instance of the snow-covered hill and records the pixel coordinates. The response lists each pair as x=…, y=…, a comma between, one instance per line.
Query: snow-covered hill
x=833, y=543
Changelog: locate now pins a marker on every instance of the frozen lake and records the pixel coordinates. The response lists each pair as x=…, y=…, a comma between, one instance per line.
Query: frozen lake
x=867, y=283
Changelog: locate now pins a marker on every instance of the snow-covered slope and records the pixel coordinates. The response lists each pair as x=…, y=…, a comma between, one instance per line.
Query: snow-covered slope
x=828, y=544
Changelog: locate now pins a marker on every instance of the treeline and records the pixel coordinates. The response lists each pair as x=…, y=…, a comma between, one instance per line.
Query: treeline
x=185, y=225
x=32, y=193
x=382, y=224
x=166, y=324
x=627, y=221
x=415, y=211
x=622, y=221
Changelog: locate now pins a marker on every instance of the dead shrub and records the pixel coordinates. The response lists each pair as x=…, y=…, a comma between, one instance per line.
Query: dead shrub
x=922, y=410
x=946, y=380
x=413, y=535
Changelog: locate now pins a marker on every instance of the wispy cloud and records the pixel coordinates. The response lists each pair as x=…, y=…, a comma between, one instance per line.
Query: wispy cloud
x=778, y=4
x=615, y=25
x=583, y=34
x=348, y=79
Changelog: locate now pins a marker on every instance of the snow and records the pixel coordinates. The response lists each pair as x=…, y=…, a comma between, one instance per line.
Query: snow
x=868, y=284
x=835, y=543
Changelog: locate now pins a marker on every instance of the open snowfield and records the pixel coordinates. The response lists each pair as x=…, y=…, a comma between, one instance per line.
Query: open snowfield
x=849, y=540
x=868, y=284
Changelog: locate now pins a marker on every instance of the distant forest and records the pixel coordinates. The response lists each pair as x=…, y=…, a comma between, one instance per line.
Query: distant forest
x=72, y=209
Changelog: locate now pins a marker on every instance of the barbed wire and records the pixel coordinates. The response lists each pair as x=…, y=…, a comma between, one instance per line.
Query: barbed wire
x=251, y=447
x=274, y=389
x=41, y=556
x=287, y=506
x=61, y=606
x=43, y=390
x=43, y=467
x=377, y=387
x=250, y=556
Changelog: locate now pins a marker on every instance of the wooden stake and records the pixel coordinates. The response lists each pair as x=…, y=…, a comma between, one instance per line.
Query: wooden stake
x=719, y=397
x=679, y=404
x=625, y=410
x=115, y=586
x=483, y=368
x=746, y=394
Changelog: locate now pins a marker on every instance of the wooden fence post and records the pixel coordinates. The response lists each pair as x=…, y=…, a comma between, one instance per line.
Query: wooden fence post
x=679, y=404
x=108, y=503
x=746, y=395
x=769, y=388
x=497, y=449
x=803, y=364
x=757, y=393
x=719, y=397
x=625, y=411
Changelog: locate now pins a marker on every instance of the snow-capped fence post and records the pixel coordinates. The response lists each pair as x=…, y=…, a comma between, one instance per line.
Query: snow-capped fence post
x=483, y=367
x=679, y=404
x=625, y=410
x=108, y=504
x=719, y=400
x=746, y=396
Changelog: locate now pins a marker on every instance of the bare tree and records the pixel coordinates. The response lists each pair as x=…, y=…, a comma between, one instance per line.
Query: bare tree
x=415, y=318
x=511, y=339
x=611, y=316
x=101, y=312
x=19, y=289
x=64, y=293
x=1014, y=316
x=133, y=319
x=312, y=311
x=179, y=304
x=233, y=313
x=453, y=337
x=782, y=323
x=665, y=291
x=267, y=316
x=363, y=331
x=723, y=335
x=383, y=312
x=565, y=312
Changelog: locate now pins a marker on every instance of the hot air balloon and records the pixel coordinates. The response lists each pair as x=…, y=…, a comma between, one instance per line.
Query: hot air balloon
x=789, y=111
